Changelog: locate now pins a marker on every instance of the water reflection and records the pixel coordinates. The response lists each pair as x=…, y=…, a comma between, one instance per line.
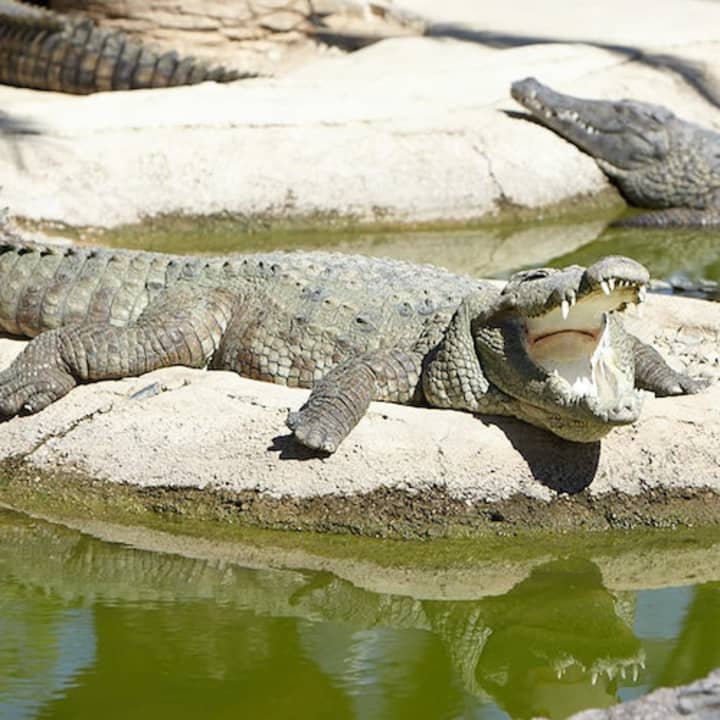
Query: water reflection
x=483, y=251
x=87, y=625
x=690, y=254
x=682, y=253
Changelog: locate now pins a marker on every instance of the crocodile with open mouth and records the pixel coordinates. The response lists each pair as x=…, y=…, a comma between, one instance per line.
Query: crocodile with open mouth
x=549, y=347
x=656, y=159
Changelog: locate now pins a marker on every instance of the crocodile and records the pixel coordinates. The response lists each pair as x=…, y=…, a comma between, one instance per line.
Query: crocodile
x=657, y=160
x=548, y=347
x=45, y=50
x=84, y=46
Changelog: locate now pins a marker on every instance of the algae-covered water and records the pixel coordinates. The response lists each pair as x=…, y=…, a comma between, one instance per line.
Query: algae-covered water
x=485, y=250
x=91, y=629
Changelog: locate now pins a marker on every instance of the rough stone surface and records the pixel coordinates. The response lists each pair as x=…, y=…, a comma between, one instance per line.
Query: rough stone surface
x=697, y=701
x=407, y=130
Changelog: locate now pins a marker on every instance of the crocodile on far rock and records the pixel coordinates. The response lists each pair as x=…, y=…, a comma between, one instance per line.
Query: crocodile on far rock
x=656, y=159
x=548, y=348
x=48, y=51
x=83, y=46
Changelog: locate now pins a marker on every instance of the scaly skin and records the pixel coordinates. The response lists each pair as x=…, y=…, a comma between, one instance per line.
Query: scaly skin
x=355, y=329
x=656, y=159
x=48, y=51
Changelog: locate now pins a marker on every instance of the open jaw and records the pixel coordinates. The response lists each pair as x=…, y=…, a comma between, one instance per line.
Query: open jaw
x=573, y=344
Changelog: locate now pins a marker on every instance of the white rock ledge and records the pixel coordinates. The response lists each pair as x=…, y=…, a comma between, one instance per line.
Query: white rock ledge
x=402, y=471
x=408, y=130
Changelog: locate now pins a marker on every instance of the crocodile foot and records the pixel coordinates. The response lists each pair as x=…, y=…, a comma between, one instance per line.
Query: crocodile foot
x=35, y=379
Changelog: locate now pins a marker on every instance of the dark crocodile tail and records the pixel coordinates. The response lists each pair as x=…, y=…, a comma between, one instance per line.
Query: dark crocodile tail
x=45, y=51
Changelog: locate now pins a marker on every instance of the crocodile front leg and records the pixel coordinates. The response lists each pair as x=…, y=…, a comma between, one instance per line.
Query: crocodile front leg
x=340, y=399
x=183, y=327
x=654, y=374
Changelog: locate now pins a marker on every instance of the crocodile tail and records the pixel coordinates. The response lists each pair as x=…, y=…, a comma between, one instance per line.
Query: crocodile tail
x=42, y=50
x=45, y=286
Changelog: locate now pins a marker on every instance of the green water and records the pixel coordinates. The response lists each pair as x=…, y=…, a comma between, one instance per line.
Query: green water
x=90, y=629
x=485, y=250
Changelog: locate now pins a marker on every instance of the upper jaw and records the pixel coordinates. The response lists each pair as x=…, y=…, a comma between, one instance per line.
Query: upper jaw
x=561, y=112
x=624, y=135
x=549, y=295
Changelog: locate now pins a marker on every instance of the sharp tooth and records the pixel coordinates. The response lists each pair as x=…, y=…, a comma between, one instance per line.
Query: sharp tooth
x=635, y=673
x=642, y=293
x=565, y=309
x=605, y=287
x=593, y=678
x=611, y=283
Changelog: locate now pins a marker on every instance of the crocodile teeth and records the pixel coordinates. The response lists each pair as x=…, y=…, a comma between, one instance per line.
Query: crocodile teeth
x=642, y=293
x=611, y=283
x=565, y=309
x=593, y=678
x=635, y=673
x=605, y=287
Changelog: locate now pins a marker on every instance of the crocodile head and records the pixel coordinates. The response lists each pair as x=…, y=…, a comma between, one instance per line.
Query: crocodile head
x=656, y=159
x=555, y=344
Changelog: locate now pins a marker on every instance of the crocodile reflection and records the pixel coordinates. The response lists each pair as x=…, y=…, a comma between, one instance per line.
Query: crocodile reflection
x=558, y=641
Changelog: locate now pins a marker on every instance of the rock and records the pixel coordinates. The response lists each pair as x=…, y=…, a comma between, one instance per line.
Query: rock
x=697, y=701
x=350, y=140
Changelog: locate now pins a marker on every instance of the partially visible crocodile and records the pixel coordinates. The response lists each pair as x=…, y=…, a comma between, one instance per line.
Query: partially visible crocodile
x=83, y=46
x=548, y=348
x=48, y=51
x=656, y=159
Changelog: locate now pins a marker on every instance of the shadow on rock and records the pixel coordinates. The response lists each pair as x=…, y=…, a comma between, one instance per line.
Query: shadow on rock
x=290, y=449
x=13, y=132
x=694, y=73
x=561, y=465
